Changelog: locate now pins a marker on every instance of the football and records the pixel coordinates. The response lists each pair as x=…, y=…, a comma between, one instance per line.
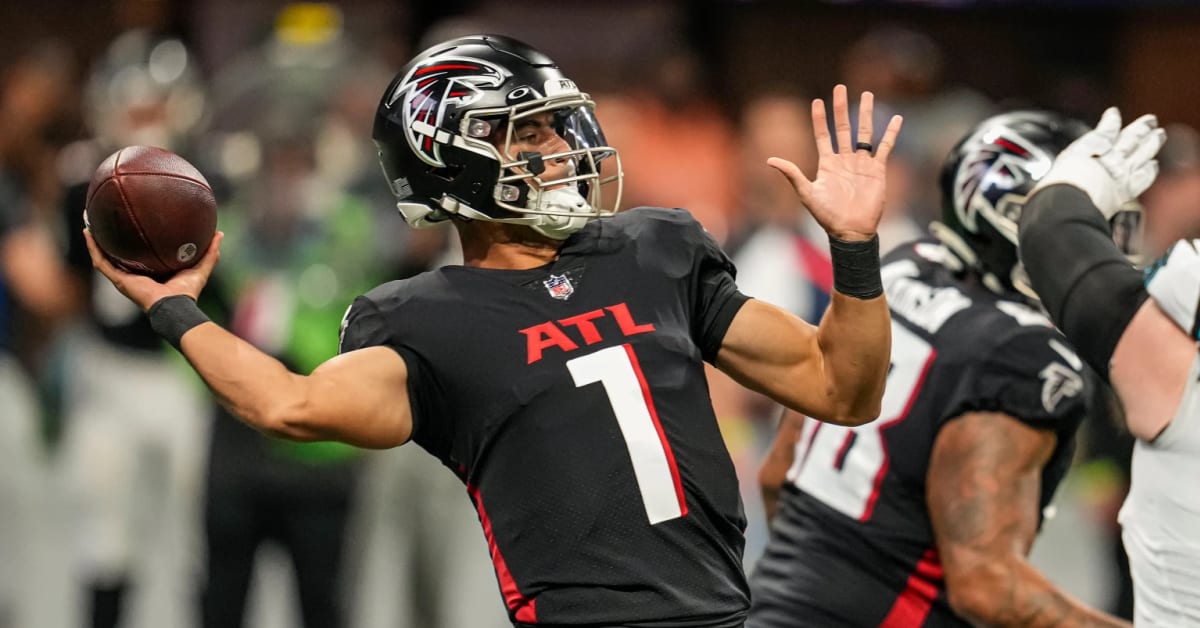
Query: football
x=150, y=211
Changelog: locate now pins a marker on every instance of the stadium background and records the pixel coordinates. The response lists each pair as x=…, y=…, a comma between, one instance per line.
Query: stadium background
x=676, y=82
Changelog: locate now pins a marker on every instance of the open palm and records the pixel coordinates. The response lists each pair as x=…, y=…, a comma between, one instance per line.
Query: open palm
x=846, y=197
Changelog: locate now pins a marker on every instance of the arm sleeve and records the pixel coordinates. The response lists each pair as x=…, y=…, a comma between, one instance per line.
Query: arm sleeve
x=1033, y=376
x=1089, y=288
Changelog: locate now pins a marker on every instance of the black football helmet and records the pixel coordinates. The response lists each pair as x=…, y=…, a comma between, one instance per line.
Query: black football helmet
x=439, y=123
x=985, y=181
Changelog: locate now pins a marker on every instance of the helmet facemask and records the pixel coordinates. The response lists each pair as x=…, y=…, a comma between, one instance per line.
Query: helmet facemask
x=554, y=191
x=448, y=126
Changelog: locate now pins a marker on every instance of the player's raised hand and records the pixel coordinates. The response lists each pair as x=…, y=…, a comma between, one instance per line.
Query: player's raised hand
x=1113, y=165
x=846, y=197
x=145, y=291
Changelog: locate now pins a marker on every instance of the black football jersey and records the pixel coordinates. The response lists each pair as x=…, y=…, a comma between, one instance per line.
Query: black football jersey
x=852, y=543
x=571, y=400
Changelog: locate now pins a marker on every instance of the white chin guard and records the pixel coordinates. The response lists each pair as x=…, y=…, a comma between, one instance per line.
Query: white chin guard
x=563, y=199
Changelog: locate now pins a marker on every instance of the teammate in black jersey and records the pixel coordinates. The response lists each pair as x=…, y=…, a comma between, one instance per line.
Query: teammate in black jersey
x=925, y=517
x=559, y=371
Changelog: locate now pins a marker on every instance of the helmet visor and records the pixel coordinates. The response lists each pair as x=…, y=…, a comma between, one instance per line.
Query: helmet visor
x=572, y=157
x=579, y=127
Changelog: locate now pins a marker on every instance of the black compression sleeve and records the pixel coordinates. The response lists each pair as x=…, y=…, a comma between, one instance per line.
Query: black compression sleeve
x=1089, y=288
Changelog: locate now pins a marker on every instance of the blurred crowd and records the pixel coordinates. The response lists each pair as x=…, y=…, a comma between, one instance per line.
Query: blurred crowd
x=127, y=497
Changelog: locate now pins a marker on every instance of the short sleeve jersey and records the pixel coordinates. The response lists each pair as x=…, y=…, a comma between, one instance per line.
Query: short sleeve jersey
x=571, y=400
x=854, y=509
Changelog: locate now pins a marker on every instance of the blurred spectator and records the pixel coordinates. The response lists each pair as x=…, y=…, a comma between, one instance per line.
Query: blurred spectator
x=34, y=99
x=260, y=489
x=677, y=147
x=135, y=420
x=1172, y=204
x=33, y=284
x=904, y=68
x=299, y=246
x=782, y=257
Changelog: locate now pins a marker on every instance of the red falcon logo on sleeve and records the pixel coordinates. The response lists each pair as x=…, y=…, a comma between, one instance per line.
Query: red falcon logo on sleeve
x=427, y=90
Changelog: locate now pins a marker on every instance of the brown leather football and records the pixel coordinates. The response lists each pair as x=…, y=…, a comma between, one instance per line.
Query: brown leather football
x=150, y=211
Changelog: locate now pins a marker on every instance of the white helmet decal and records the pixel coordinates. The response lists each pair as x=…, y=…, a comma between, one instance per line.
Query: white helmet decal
x=429, y=88
x=984, y=185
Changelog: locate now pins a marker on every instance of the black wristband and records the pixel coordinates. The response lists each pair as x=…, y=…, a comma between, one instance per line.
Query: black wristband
x=856, y=267
x=172, y=317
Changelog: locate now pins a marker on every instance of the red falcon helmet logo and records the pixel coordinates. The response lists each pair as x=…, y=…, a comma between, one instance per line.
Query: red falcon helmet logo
x=432, y=86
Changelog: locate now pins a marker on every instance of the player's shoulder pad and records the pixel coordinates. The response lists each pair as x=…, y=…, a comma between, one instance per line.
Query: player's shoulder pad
x=1028, y=370
x=671, y=239
x=657, y=223
x=363, y=325
x=369, y=321
x=1174, y=284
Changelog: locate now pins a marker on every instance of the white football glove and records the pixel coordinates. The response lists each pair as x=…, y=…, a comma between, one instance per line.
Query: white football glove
x=1112, y=165
x=1174, y=284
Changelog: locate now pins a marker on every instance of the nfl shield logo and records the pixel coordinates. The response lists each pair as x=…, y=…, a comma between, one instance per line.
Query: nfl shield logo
x=559, y=287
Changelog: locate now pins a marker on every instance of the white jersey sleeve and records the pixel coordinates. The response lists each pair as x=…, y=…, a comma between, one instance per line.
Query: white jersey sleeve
x=1174, y=284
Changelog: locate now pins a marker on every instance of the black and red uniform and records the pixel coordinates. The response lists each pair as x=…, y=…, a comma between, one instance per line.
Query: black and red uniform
x=852, y=543
x=571, y=399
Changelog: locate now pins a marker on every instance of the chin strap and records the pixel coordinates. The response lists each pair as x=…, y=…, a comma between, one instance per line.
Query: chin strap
x=961, y=256
x=564, y=199
x=557, y=227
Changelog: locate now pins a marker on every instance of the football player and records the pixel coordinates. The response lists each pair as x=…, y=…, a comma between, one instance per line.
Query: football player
x=1140, y=332
x=38, y=295
x=926, y=516
x=134, y=416
x=559, y=371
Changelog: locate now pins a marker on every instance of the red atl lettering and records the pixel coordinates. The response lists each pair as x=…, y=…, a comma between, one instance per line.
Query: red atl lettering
x=550, y=334
x=583, y=322
x=541, y=337
x=620, y=312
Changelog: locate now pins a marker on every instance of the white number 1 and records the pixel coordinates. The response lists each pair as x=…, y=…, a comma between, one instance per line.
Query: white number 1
x=654, y=466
